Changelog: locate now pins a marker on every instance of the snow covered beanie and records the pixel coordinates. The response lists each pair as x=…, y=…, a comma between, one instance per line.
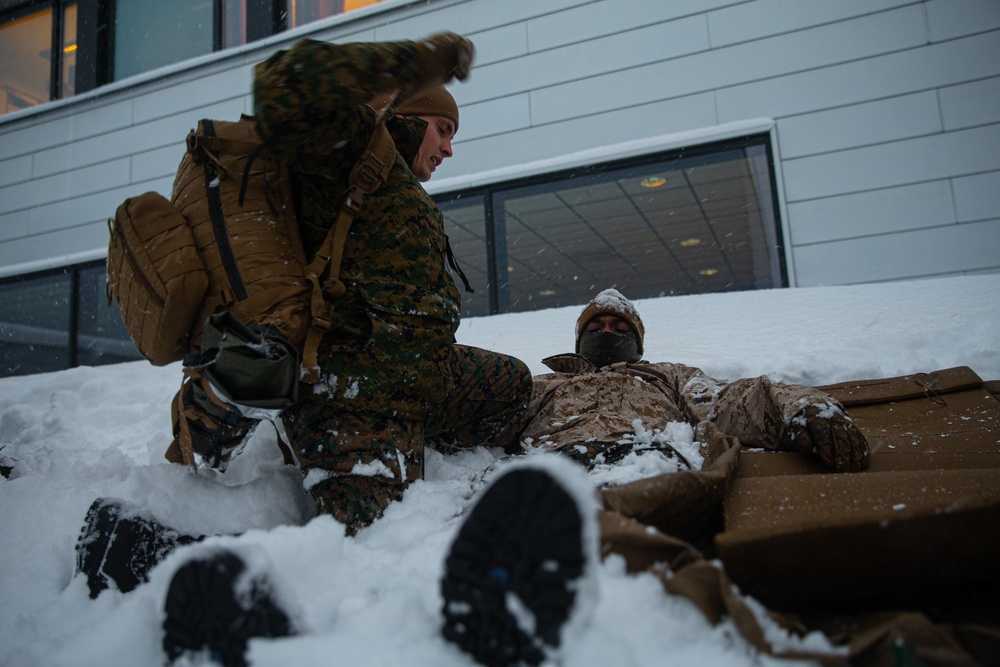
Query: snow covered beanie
x=609, y=302
x=438, y=102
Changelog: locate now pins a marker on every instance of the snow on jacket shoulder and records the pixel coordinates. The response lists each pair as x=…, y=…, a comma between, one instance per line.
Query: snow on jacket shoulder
x=579, y=403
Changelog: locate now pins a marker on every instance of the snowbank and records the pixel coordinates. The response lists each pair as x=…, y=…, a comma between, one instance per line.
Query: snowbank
x=374, y=599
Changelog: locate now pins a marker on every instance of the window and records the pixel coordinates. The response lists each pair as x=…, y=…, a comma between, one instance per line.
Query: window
x=34, y=325
x=302, y=12
x=60, y=320
x=42, y=56
x=101, y=336
x=466, y=224
x=37, y=53
x=152, y=33
x=692, y=221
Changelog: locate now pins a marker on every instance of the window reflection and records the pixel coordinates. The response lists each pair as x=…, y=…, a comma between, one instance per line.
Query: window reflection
x=34, y=325
x=67, y=81
x=101, y=337
x=465, y=225
x=306, y=11
x=25, y=60
x=153, y=33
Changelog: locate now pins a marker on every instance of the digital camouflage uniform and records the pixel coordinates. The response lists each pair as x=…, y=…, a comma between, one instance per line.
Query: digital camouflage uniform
x=391, y=373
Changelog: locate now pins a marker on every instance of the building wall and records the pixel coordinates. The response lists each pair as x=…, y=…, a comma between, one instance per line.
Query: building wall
x=886, y=118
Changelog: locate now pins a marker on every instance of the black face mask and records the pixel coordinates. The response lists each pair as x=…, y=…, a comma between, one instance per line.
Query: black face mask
x=603, y=348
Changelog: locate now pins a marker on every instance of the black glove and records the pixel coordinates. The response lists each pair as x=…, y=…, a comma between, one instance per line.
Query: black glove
x=827, y=430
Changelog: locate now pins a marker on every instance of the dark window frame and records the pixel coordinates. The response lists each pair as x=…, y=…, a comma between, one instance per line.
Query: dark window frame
x=497, y=281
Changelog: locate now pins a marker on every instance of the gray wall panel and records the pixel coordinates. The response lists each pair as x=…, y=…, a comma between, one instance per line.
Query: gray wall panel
x=869, y=213
x=48, y=250
x=971, y=104
x=949, y=19
x=720, y=68
x=500, y=44
x=598, y=19
x=465, y=17
x=231, y=83
x=912, y=254
x=36, y=133
x=746, y=22
x=101, y=118
x=159, y=163
x=15, y=170
x=501, y=116
x=978, y=197
x=66, y=185
x=136, y=139
x=959, y=153
x=965, y=60
x=615, y=54
x=589, y=132
x=876, y=122
x=79, y=210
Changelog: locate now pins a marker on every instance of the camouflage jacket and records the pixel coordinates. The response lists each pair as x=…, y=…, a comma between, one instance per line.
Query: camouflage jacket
x=389, y=350
x=580, y=403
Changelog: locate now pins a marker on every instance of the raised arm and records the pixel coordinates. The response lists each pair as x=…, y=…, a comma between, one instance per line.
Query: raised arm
x=308, y=99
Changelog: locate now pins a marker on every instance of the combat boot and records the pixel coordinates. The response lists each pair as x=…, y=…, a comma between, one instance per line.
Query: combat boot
x=522, y=566
x=214, y=607
x=119, y=544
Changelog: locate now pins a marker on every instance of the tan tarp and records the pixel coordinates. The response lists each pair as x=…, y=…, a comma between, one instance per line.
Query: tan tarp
x=896, y=564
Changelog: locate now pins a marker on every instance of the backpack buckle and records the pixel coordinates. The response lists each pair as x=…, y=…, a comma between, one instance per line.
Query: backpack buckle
x=370, y=170
x=354, y=200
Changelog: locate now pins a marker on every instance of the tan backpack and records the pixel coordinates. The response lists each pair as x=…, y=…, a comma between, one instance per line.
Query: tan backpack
x=226, y=251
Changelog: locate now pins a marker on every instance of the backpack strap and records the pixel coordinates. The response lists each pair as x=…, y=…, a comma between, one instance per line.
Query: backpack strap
x=213, y=171
x=323, y=273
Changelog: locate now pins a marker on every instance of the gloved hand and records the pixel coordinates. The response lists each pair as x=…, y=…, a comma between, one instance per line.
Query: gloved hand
x=827, y=430
x=441, y=57
x=449, y=56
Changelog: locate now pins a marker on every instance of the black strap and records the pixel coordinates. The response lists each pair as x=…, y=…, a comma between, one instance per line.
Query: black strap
x=453, y=263
x=257, y=152
x=218, y=219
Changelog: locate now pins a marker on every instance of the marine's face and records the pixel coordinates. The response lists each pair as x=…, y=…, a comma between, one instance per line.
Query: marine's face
x=610, y=323
x=608, y=339
x=435, y=147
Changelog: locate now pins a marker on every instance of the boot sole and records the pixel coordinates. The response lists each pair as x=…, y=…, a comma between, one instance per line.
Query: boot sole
x=204, y=614
x=509, y=578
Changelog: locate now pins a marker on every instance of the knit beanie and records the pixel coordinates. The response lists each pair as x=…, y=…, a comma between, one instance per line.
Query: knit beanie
x=611, y=302
x=437, y=102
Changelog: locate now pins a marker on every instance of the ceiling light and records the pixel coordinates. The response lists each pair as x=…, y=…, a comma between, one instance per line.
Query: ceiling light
x=708, y=272
x=690, y=243
x=653, y=182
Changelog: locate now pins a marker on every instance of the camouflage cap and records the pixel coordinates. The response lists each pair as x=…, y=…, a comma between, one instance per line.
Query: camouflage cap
x=611, y=302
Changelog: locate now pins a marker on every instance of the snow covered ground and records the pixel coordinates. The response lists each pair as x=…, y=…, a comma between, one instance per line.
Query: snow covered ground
x=373, y=599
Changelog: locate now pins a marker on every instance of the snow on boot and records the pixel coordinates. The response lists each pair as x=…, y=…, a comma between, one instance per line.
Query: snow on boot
x=521, y=568
x=120, y=544
x=213, y=609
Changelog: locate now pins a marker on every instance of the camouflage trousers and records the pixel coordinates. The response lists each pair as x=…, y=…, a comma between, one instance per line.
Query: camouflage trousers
x=355, y=464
